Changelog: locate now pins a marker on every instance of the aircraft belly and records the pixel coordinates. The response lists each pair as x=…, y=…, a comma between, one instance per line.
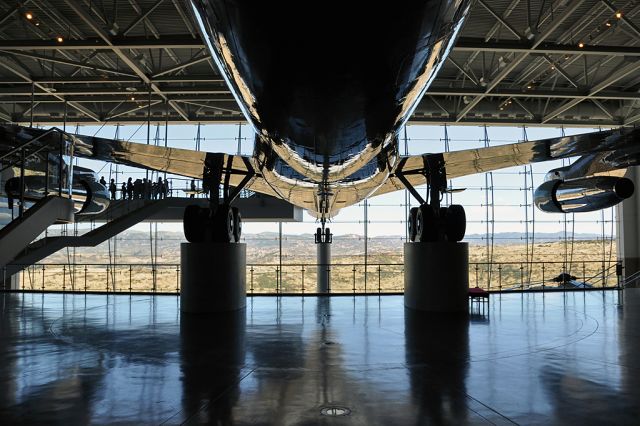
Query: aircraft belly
x=329, y=86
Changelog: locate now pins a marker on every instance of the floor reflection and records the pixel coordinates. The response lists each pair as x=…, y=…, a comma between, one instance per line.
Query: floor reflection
x=533, y=358
x=212, y=355
x=437, y=354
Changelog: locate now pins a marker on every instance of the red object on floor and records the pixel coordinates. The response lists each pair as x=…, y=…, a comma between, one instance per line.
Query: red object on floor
x=477, y=294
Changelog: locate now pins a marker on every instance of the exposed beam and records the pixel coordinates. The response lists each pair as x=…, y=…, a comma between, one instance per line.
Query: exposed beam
x=95, y=27
x=602, y=108
x=465, y=44
x=131, y=110
x=536, y=93
x=190, y=62
x=624, y=19
x=4, y=115
x=87, y=79
x=622, y=72
x=632, y=120
x=142, y=17
x=561, y=70
x=568, y=11
x=463, y=71
x=175, y=92
x=499, y=19
x=221, y=118
x=8, y=14
x=23, y=74
x=66, y=62
x=166, y=41
x=65, y=90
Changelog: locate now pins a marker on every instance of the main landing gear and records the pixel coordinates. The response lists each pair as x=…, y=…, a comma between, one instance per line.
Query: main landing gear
x=449, y=224
x=224, y=225
x=436, y=263
x=430, y=222
x=220, y=222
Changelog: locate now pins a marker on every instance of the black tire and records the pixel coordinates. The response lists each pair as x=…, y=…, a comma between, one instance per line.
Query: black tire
x=411, y=223
x=426, y=227
x=455, y=223
x=193, y=224
x=237, y=224
x=223, y=224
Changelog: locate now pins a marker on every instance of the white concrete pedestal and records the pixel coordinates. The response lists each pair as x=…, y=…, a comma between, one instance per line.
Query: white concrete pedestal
x=213, y=277
x=436, y=276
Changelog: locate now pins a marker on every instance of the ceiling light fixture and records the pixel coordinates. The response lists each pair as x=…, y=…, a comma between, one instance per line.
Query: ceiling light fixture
x=581, y=45
x=28, y=15
x=619, y=15
x=59, y=39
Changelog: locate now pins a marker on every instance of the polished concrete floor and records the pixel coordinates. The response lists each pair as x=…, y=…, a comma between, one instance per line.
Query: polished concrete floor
x=555, y=358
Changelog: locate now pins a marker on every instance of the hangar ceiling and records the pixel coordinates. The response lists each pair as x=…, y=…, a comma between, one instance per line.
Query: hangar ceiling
x=533, y=62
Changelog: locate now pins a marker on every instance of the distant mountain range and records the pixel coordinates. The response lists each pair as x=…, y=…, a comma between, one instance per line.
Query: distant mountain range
x=498, y=237
x=136, y=246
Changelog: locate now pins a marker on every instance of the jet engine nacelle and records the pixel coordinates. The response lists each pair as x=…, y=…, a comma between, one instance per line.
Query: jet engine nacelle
x=582, y=195
x=89, y=196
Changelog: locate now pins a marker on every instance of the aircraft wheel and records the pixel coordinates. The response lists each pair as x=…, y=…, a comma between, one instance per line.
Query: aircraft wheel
x=194, y=225
x=426, y=229
x=411, y=223
x=224, y=225
x=455, y=222
x=237, y=224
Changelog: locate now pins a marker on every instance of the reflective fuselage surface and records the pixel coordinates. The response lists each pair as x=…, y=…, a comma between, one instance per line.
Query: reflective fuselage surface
x=328, y=85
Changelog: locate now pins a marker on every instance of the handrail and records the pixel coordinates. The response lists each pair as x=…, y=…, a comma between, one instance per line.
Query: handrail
x=288, y=278
x=30, y=141
x=631, y=279
x=590, y=262
x=31, y=154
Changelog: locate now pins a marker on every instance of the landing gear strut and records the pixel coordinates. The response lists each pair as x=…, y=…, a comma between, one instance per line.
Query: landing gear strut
x=431, y=222
x=220, y=222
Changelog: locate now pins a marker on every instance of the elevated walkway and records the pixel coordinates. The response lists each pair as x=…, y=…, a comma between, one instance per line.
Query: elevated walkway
x=256, y=208
x=38, y=250
x=123, y=214
x=23, y=230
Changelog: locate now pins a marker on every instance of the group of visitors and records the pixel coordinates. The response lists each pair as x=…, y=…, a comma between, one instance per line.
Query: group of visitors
x=140, y=188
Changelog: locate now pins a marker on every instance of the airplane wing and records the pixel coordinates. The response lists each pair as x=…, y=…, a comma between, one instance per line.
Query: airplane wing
x=482, y=160
x=183, y=162
x=602, y=151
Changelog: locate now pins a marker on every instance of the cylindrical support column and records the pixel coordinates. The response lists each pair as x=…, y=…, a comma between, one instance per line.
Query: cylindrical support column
x=628, y=229
x=213, y=277
x=323, y=260
x=436, y=276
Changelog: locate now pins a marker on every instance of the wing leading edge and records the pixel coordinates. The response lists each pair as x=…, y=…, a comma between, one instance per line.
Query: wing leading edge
x=597, y=147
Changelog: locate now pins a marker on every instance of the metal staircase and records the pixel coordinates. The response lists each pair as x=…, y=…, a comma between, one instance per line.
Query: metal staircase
x=23, y=230
x=44, y=247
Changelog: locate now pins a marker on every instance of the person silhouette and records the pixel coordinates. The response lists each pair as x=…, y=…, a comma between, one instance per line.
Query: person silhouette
x=113, y=189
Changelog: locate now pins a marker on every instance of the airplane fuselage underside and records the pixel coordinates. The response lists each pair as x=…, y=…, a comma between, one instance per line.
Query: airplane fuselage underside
x=328, y=87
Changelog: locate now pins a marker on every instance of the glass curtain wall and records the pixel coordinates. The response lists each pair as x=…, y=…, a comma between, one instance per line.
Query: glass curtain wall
x=512, y=245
